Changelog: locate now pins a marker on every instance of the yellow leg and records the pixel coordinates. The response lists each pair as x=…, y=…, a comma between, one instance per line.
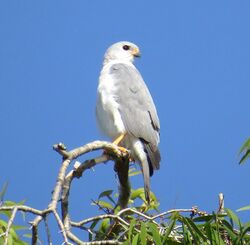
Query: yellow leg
x=118, y=140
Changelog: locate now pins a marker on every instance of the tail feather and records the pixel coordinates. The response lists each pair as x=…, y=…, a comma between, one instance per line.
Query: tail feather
x=153, y=155
x=146, y=177
x=150, y=161
x=154, y=158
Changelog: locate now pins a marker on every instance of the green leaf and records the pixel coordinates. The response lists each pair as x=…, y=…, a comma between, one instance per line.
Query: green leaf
x=103, y=204
x=134, y=173
x=3, y=191
x=216, y=237
x=229, y=228
x=208, y=231
x=13, y=233
x=243, y=209
x=10, y=204
x=136, y=239
x=192, y=226
x=3, y=225
x=207, y=218
x=228, y=225
x=105, y=193
x=104, y=225
x=234, y=219
x=92, y=226
x=155, y=233
x=126, y=242
x=131, y=228
x=245, y=148
x=20, y=227
x=143, y=234
x=186, y=234
x=246, y=229
x=245, y=157
x=10, y=240
x=171, y=225
x=138, y=193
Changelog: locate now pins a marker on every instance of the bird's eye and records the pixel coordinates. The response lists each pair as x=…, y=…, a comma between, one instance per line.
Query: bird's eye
x=125, y=47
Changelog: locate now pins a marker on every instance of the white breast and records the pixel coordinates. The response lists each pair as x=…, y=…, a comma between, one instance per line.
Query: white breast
x=107, y=112
x=108, y=115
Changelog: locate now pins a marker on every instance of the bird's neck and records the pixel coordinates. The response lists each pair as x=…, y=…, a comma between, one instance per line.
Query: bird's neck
x=109, y=60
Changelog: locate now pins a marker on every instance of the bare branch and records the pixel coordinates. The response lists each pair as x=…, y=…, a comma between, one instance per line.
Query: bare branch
x=26, y=209
x=189, y=210
x=114, y=152
x=61, y=192
x=111, y=148
x=47, y=230
x=105, y=216
x=61, y=225
x=12, y=217
x=75, y=239
x=59, y=183
x=122, y=168
x=35, y=224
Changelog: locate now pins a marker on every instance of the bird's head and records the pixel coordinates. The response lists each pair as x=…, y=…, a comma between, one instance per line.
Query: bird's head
x=122, y=51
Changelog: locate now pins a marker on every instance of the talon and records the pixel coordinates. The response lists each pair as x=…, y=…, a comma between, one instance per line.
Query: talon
x=123, y=149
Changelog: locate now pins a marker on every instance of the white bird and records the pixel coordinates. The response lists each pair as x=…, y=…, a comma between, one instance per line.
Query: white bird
x=125, y=109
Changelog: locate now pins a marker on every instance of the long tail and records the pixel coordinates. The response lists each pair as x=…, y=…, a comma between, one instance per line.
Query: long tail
x=149, y=158
x=149, y=164
x=146, y=177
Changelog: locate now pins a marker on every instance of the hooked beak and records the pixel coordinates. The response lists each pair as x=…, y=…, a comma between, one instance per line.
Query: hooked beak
x=136, y=52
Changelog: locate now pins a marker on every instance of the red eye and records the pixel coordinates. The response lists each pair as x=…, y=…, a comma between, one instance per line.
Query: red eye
x=125, y=47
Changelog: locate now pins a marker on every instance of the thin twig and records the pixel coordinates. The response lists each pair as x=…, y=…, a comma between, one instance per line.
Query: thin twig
x=111, y=148
x=35, y=224
x=47, y=230
x=61, y=226
x=12, y=217
x=122, y=221
x=54, y=200
x=189, y=210
x=59, y=183
x=104, y=216
x=26, y=209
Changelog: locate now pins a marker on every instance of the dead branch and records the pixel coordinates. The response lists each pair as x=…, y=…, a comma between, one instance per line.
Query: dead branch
x=62, y=189
x=12, y=217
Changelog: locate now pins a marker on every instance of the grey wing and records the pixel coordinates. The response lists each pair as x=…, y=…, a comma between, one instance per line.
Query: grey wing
x=137, y=109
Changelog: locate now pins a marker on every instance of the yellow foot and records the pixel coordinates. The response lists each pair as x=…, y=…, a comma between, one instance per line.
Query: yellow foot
x=123, y=149
x=126, y=151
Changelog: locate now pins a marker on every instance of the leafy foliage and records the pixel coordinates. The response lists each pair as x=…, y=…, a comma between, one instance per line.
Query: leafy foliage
x=13, y=236
x=176, y=227
x=144, y=224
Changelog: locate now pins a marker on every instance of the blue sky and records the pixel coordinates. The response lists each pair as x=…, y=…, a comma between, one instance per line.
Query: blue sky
x=195, y=61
